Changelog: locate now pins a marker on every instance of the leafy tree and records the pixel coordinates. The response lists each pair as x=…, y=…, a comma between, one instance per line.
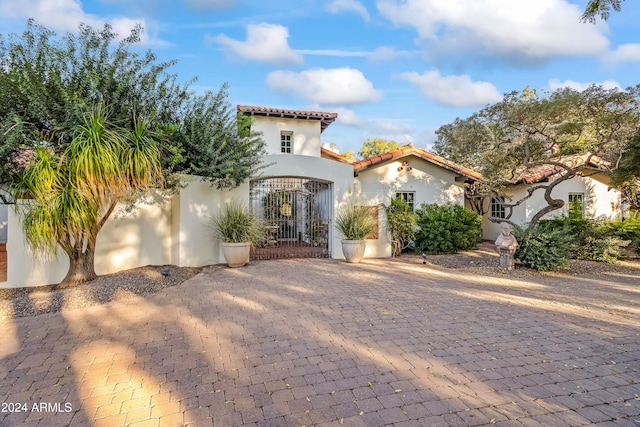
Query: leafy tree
x=86, y=123
x=600, y=8
x=377, y=146
x=73, y=193
x=525, y=131
x=350, y=156
x=627, y=175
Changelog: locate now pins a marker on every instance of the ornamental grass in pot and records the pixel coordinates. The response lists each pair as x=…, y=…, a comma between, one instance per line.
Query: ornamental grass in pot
x=355, y=223
x=238, y=229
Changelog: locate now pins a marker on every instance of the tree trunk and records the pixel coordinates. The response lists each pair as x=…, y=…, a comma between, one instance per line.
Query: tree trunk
x=81, y=268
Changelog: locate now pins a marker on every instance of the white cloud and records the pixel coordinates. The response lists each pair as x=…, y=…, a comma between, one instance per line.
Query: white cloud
x=66, y=15
x=265, y=42
x=334, y=52
x=456, y=91
x=522, y=30
x=332, y=86
x=349, y=117
x=580, y=86
x=400, y=138
x=210, y=4
x=388, y=54
x=629, y=52
x=338, y=6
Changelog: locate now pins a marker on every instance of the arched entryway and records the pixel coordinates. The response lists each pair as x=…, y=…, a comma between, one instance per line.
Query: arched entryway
x=297, y=212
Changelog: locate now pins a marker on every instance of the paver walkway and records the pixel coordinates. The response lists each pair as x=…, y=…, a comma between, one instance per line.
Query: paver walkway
x=321, y=342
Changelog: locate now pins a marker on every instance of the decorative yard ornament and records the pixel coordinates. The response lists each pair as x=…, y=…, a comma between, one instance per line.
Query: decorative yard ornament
x=506, y=245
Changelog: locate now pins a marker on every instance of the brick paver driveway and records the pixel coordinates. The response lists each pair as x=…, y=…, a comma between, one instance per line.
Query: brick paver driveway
x=320, y=342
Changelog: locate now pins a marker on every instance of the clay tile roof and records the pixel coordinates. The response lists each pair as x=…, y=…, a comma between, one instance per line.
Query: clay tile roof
x=541, y=172
x=328, y=154
x=325, y=118
x=418, y=152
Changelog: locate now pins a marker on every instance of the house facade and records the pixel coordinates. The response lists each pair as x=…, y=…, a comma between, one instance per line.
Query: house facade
x=412, y=174
x=588, y=195
x=297, y=193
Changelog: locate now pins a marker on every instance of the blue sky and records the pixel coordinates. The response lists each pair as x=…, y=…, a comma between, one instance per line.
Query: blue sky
x=393, y=69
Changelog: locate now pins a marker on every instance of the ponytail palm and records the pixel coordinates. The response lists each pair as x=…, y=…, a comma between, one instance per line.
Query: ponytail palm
x=74, y=194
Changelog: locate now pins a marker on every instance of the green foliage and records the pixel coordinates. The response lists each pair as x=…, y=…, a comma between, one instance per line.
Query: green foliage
x=350, y=156
x=236, y=224
x=85, y=122
x=48, y=84
x=627, y=176
x=72, y=194
x=528, y=130
x=215, y=142
x=627, y=229
x=401, y=223
x=376, y=146
x=355, y=222
x=446, y=229
x=589, y=239
x=543, y=249
x=600, y=8
x=629, y=166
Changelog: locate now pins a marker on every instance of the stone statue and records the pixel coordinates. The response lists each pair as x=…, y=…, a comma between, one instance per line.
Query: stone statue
x=506, y=245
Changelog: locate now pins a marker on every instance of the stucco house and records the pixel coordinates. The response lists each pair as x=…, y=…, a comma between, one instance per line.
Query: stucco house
x=412, y=174
x=588, y=195
x=298, y=193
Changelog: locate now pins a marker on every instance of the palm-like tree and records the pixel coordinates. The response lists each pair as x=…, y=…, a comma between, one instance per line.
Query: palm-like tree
x=73, y=194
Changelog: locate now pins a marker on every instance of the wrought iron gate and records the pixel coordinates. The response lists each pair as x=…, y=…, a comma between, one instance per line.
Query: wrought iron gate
x=297, y=213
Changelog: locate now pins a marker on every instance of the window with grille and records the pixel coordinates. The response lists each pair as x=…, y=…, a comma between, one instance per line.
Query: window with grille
x=408, y=196
x=285, y=142
x=497, y=207
x=576, y=205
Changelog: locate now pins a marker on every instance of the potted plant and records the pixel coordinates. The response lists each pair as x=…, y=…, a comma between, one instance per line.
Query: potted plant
x=238, y=229
x=355, y=223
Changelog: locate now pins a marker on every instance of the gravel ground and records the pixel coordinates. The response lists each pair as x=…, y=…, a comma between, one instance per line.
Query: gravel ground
x=485, y=260
x=32, y=301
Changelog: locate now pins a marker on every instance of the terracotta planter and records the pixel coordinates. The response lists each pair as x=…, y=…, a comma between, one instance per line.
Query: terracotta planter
x=236, y=254
x=353, y=250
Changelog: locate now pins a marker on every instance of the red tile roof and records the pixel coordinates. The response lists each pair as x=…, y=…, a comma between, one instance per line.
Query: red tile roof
x=325, y=118
x=409, y=150
x=328, y=154
x=541, y=172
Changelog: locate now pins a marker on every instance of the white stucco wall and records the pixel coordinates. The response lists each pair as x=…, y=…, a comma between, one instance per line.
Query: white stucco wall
x=600, y=201
x=306, y=134
x=136, y=237
x=193, y=239
x=128, y=239
x=429, y=182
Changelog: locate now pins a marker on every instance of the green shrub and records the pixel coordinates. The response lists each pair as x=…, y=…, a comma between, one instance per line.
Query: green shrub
x=543, y=248
x=355, y=222
x=627, y=229
x=236, y=224
x=401, y=223
x=591, y=240
x=447, y=229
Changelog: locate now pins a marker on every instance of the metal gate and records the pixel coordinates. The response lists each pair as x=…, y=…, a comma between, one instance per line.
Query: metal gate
x=297, y=213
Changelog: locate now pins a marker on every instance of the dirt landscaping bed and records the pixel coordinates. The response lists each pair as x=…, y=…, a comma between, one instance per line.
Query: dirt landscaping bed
x=485, y=259
x=32, y=301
